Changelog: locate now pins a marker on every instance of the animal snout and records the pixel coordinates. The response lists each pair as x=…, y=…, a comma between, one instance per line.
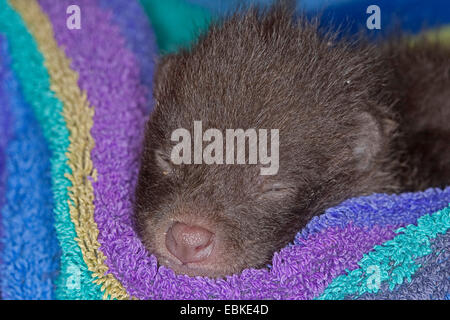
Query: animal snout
x=189, y=243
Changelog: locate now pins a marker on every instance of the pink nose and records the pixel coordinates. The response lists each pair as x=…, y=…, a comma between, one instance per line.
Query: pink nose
x=189, y=243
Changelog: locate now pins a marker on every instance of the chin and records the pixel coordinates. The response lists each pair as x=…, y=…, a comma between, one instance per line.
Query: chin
x=194, y=269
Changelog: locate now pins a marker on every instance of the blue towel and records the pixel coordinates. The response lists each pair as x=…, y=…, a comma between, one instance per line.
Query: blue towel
x=29, y=248
x=409, y=15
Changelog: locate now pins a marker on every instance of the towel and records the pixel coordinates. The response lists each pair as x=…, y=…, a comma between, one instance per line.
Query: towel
x=76, y=102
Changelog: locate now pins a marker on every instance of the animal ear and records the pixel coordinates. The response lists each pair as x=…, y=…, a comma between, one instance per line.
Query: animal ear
x=368, y=140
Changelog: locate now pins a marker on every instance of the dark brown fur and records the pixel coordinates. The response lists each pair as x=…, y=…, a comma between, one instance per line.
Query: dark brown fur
x=354, y=119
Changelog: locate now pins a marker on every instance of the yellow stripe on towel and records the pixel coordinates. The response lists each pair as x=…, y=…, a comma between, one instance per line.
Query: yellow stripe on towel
x=79, y=120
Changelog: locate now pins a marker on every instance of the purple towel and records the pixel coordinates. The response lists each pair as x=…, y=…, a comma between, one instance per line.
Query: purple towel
x=328, y=247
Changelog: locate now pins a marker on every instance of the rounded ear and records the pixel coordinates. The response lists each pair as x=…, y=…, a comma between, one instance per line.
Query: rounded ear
x=369, y=140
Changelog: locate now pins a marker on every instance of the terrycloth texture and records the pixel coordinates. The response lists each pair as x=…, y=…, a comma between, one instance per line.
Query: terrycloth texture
x=135, y=27
x=397, y=260
x=5, y=136
x=66, y=150
x=29, y=249
x=431, y=281
x=5, y=127
x=225, y=6
x=122, y=106
x=176, y=22
x=90, y=92
x=409, y=15
x=220, y=7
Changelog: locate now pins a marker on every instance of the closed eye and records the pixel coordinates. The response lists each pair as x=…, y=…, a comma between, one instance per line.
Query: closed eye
x=276, y=190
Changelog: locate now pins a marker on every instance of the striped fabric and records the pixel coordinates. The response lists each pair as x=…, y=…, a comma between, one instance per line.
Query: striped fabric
x=73, y=110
